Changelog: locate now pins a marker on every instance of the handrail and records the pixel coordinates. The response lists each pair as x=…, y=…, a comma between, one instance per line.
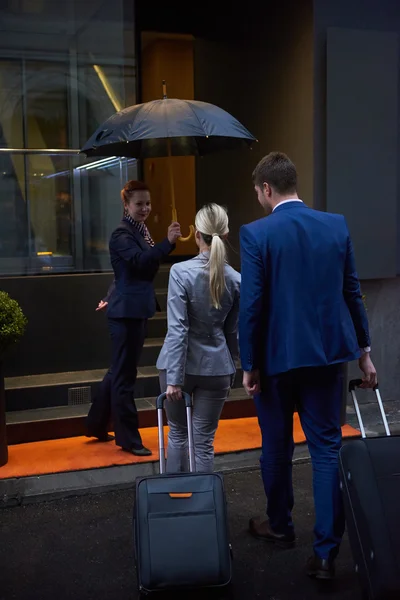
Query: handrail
x=60, y=151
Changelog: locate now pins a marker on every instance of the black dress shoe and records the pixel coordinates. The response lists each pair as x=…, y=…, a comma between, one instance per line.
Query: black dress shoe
x=138, y=451
x=262, y=531
x=320, y=568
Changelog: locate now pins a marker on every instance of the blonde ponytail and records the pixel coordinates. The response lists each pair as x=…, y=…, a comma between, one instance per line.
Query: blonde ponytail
x=217, y=270
x=212, y=223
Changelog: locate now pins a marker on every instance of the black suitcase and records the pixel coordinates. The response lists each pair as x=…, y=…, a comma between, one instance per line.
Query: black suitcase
x=180, y=525
x=370, y=481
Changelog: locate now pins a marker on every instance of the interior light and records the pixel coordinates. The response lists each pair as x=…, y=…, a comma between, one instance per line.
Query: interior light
x=108, y=88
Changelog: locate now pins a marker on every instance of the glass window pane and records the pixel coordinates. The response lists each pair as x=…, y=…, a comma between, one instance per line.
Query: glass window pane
x=50, y=203
x=100, y=183
x=11, y=104
x=46, y=104
x=101, y=97
x=72, y=205
x=64, y=69
x=106, y=79
x=14, y=231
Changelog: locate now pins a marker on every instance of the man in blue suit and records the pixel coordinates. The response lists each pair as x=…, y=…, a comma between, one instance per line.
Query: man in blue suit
x=301, y=317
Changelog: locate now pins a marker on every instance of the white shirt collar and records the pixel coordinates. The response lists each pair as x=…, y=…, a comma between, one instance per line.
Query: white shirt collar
x=285, y=201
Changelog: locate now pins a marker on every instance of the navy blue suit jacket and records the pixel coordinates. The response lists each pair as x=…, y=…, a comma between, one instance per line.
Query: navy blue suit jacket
x=135, y=266
x=300, y=302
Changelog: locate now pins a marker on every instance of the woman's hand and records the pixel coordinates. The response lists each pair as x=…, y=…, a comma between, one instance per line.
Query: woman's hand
x=174, y=232
x=101, y=305
x=174, y=393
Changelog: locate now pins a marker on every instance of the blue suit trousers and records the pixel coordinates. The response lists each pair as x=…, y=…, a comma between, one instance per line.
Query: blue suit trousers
x=316, y=393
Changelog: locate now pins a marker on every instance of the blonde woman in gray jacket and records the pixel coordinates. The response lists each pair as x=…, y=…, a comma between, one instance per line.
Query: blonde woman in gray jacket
x=201, y=346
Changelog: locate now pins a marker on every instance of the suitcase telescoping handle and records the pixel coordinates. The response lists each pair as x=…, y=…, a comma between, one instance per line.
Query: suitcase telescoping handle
x=188, y=404
x=353, y=385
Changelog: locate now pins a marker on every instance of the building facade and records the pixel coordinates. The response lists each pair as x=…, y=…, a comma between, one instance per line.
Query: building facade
x=297, y=75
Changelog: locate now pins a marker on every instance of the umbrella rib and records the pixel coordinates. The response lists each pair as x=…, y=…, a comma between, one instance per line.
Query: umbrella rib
x=194, y=112
x=145, y=108
x=164, y=106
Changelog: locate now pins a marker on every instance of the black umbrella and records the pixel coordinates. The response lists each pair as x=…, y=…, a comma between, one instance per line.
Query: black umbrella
x=168, y=127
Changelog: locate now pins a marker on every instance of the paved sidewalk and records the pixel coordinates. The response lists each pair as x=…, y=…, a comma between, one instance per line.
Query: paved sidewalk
x=81, y=548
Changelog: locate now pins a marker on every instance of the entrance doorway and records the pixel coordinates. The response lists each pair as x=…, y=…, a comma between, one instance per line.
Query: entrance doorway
x=169, y=57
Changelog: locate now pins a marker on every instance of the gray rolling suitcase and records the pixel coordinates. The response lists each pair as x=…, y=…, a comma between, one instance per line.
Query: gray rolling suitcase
x=180, y=525
x=370, y=480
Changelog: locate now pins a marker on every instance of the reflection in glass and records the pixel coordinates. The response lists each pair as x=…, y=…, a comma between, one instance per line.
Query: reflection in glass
x=14, y=231
x=49, y=191
x=100, y=183
x=64, y=68
x=102, y=98
x=11, y=107
x=73, y=206
x=46, y=104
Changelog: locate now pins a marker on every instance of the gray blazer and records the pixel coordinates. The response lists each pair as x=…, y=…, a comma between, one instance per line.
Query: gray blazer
x=201, y=340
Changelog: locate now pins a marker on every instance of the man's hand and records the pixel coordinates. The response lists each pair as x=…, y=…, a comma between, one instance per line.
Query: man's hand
x=251, y=382
x=367, y=367
x=102, y=305
x=174, y=393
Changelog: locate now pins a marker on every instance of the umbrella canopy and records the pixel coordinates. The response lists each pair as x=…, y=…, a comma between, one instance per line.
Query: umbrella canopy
x=168, y=127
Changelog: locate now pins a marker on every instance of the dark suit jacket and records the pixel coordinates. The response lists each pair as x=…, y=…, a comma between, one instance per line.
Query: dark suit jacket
x=301, y=304
x=135, y=266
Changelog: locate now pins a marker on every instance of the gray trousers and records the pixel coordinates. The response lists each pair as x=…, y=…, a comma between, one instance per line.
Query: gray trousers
x=209, y=395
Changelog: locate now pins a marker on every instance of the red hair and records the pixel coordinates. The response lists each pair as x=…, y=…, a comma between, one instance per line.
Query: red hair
x=131, y=187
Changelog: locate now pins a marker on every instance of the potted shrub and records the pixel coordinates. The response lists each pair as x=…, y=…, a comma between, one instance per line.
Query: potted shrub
x=12, y=327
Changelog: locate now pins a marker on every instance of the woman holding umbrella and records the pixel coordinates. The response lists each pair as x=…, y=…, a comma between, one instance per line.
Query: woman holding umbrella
x=135, y=259
x=167, y=128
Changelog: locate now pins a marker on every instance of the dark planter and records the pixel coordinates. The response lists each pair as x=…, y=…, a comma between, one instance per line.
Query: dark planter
x=3, y=432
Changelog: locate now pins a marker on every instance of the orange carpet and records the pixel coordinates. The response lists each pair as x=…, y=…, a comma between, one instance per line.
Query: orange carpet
x=78, y=453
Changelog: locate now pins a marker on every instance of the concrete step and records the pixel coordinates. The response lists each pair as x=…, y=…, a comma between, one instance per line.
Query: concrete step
x=162, y=295
x=162, y=277
x=69, y=421
x=78, y=387
x=61, y=389
x=26, y=392
x=157, y=326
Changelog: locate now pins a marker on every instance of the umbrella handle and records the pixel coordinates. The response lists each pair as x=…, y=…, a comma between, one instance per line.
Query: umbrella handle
x=187, y=238
x=191, y=228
